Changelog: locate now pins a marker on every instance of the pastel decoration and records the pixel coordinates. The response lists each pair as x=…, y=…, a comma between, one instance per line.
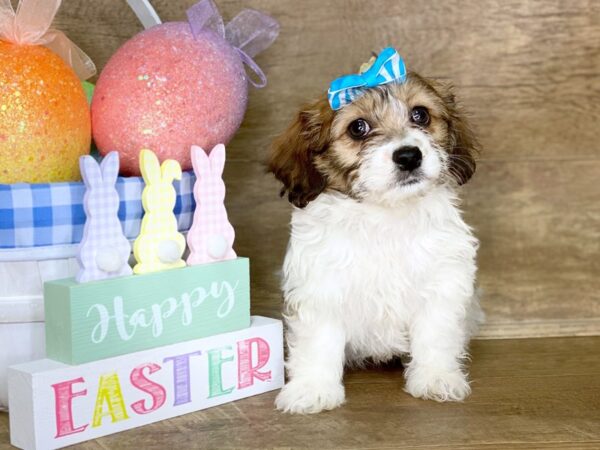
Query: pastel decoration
x=104, y=250
x=25, y=224
x=44, y=116
x=388, y=67
x=109, y=401
x=159, y=245
x=211, y=236
x=92, y=321
x=54, y=405
x=143, y=383
x=30, y=25
x=180, y=83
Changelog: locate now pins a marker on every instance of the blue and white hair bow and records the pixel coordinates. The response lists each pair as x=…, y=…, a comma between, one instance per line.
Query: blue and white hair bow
x=387, y=68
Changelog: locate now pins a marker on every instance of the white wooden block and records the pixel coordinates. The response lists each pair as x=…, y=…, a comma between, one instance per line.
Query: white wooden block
x=53, y=405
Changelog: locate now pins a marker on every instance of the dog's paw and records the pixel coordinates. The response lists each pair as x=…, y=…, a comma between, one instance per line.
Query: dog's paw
x=433, y=384
x=309, y=397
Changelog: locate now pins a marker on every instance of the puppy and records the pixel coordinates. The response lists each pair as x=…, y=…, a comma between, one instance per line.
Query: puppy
x=380, y=262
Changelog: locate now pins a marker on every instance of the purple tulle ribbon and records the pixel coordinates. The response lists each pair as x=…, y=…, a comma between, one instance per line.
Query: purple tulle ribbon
x=250, y=32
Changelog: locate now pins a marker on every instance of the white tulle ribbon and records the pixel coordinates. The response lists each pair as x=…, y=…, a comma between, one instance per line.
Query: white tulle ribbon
x=30, y=25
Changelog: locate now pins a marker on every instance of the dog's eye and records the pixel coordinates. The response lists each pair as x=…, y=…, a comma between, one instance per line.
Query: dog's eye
x=420, y=116
x=359, y=128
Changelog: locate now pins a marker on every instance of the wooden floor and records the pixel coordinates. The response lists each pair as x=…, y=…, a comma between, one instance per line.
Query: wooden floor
x=527, y=394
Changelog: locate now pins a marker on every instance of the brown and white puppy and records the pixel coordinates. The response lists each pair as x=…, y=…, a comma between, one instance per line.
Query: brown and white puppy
x=380, y=262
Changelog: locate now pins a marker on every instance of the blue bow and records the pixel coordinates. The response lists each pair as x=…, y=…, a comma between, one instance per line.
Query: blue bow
x=387, y=68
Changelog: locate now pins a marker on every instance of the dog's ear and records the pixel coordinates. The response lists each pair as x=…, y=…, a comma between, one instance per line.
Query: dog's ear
x=293, y=152
x=463, y=145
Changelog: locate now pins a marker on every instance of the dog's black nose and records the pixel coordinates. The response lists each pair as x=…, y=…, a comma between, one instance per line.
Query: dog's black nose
x=408, y=158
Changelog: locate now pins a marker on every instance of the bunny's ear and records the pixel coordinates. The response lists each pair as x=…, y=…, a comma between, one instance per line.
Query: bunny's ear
x=217, y=159
x=90, y=172
x=171, y=170
x=150, y=167
x=110, y=168
x=199, y=160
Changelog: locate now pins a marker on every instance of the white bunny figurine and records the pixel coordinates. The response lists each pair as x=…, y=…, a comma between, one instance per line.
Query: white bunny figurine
x=211, y=236
x=104, y=250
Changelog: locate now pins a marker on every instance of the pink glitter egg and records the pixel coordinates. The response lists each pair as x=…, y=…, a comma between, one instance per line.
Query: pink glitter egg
x=165, y=90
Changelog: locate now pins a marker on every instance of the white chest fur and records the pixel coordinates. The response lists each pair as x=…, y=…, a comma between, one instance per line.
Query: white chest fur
x=373, y=267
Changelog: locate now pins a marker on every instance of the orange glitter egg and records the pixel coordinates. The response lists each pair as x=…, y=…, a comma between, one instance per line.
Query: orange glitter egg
x=44, y=116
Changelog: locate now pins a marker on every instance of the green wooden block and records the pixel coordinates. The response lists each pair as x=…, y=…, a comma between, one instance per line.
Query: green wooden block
x=91, y=321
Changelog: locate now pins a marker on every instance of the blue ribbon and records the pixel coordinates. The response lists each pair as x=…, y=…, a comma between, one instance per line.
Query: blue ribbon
x=387, y=68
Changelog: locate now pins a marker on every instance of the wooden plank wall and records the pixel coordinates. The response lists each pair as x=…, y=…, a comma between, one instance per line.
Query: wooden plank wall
x=529, y=72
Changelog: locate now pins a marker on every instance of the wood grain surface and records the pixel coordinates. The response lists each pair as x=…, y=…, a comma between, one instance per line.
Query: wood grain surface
x=527, y=394
x=529, y=73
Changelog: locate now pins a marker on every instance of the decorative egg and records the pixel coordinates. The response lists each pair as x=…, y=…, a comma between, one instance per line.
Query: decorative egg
x=165, y=90
x=44, y=116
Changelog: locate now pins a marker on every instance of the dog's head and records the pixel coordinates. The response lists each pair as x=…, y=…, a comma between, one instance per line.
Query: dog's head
x=393, y=142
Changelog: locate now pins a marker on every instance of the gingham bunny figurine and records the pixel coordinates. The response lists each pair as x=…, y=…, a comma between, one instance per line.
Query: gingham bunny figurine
x=211, y=236
x=159, y=245
x=104, y=250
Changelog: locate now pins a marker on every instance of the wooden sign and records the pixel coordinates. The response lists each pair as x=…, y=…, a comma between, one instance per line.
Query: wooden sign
x=53, y=405
x=96, y=320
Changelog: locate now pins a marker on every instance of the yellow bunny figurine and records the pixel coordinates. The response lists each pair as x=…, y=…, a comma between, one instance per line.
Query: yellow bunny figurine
x=159, y=245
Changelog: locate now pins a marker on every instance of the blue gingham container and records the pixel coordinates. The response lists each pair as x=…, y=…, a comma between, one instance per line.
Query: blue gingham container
x=44, y=221
x=40, y=228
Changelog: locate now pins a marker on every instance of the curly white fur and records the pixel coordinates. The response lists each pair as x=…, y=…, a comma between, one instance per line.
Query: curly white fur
x=366, y=280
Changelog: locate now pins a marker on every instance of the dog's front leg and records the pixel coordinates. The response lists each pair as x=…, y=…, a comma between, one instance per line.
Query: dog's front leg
x=315, y=366
x=438, y=347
